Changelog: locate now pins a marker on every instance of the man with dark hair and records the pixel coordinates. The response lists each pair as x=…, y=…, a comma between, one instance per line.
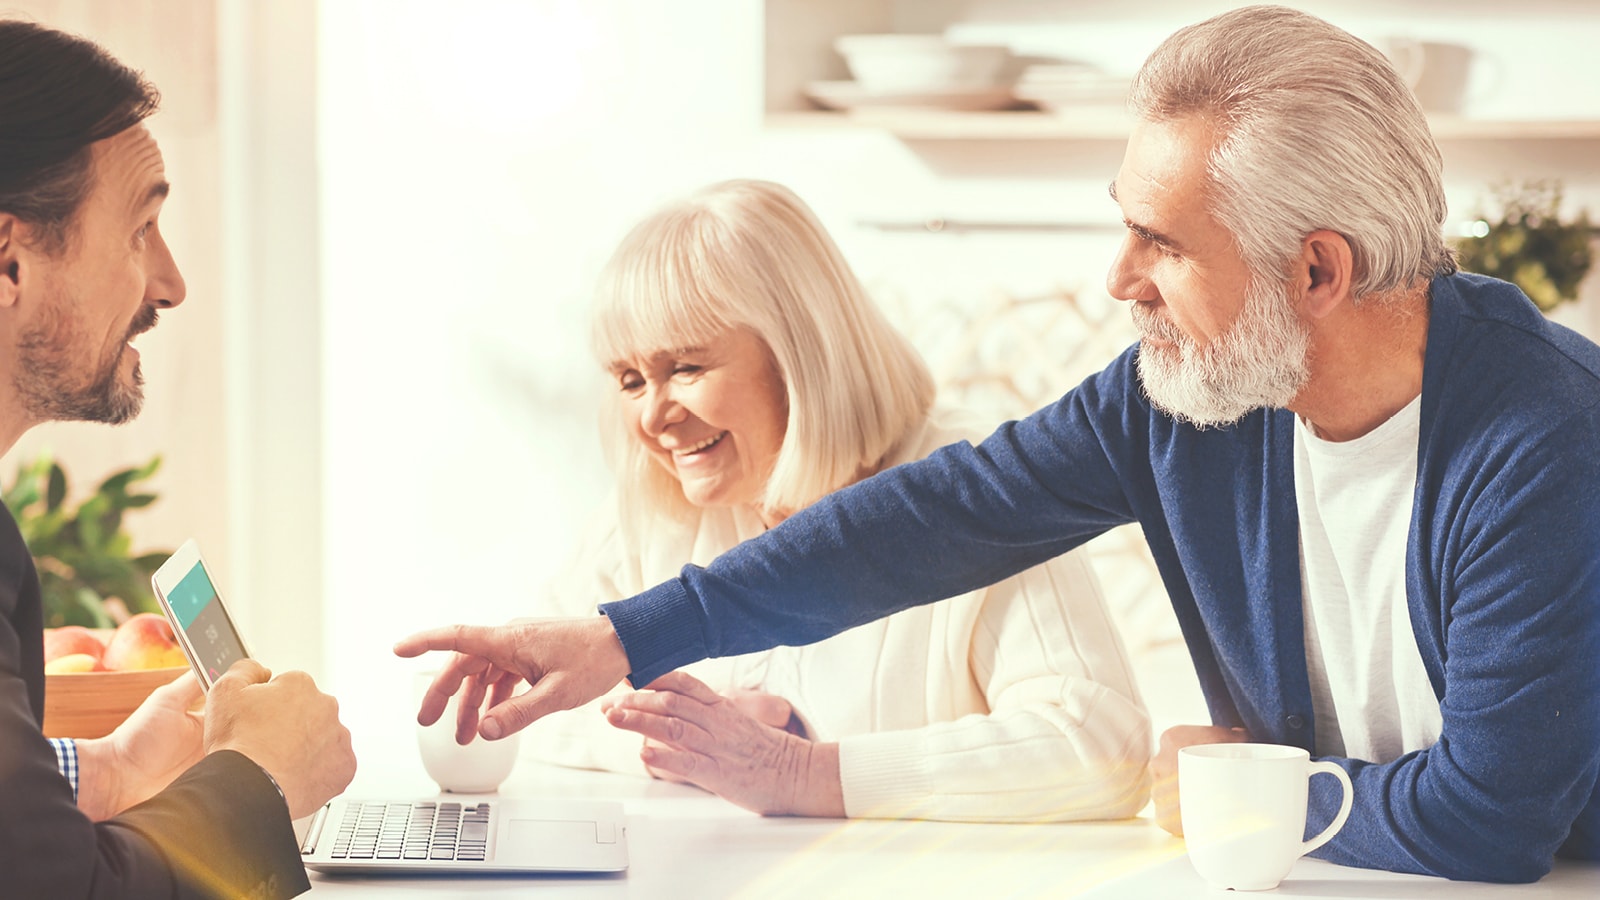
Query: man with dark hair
x=1371, y=483
x=171, y=804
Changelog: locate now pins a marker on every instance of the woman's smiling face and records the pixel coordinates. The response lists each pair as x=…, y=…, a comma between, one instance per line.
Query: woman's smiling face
x=713, y=415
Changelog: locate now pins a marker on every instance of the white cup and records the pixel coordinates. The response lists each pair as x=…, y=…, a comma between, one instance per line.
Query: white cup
x=477, y=768
x=1437, y=73
x=1244, y=811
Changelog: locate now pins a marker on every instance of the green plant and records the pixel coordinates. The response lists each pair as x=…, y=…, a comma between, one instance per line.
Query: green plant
x=1530, y=246
x=87, y=572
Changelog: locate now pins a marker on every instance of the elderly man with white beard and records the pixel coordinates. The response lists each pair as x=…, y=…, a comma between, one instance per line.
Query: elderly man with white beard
x=1371, y=483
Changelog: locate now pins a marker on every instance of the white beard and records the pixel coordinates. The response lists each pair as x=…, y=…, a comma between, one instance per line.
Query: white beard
x=1261, y=361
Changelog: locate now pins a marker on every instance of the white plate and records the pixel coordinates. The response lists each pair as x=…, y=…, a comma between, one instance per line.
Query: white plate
x=847, y=95
x=1070, y=87
x=1073, y=101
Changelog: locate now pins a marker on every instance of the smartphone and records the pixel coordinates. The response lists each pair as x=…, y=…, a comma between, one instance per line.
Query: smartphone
x=189, y=597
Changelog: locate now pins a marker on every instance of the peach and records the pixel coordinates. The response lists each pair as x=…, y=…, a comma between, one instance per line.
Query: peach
x=73, y=662
x=145, y=641
x=70, y=640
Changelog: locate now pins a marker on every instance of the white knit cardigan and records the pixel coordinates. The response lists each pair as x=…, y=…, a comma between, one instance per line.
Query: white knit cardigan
x=1014, y=703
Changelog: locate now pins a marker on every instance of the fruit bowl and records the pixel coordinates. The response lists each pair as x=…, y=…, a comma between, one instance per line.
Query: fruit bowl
x=92, y=704
x=95, y=677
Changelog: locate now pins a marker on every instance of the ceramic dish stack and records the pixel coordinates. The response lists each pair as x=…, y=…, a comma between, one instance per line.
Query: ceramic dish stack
x=920, y=71
x=1073, y=88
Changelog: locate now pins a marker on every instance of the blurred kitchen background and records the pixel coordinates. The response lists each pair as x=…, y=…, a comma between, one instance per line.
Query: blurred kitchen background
x=377, y=408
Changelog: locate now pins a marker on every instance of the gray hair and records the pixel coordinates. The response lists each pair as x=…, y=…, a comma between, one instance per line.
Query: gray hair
x=1315, y=130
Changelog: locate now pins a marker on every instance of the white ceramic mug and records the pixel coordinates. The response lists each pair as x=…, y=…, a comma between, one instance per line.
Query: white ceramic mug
x=476, y=768
x=1244, y=811
x=1437, y=73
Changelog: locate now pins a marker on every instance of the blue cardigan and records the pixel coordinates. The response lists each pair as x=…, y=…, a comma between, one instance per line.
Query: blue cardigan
x=1502, y=575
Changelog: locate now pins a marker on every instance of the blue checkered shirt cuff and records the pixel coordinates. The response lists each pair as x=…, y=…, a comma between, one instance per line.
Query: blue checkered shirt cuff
x=67, y=761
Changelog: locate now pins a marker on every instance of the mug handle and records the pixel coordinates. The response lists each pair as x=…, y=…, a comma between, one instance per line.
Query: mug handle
x=1406, y=55
x=1328, y=768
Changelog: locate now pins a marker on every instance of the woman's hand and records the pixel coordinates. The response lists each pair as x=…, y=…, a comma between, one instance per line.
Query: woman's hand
x=157, y=743
x=735, y=748
x=566, y=663
x=768, y=709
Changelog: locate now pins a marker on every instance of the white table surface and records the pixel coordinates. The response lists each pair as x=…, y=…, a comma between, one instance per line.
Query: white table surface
x=687, y=844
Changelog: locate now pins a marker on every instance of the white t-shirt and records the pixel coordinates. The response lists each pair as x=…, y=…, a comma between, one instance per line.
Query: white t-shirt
x=1369, y=690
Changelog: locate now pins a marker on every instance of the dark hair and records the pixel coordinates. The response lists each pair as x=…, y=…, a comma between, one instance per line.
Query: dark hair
x=58, y=94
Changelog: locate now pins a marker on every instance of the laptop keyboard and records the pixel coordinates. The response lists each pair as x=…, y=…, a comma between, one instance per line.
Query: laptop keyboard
x=413, y=831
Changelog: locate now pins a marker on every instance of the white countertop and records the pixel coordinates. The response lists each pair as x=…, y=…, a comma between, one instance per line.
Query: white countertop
x=684, y=843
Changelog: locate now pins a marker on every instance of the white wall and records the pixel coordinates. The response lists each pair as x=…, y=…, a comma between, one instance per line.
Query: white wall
x=477, y=168
x=272, y=298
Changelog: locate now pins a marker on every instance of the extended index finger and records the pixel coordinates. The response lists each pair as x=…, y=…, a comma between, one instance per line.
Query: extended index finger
x=476, y=640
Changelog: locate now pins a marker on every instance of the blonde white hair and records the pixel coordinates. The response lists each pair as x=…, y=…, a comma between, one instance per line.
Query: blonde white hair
x=750, y=254
x=1315, y=130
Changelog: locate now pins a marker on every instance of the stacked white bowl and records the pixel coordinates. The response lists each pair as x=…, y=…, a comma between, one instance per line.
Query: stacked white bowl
x=923, y=64
x=1068, y=87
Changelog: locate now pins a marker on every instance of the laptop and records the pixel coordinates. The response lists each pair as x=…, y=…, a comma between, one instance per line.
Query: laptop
x=446, y=834
x=466, y=835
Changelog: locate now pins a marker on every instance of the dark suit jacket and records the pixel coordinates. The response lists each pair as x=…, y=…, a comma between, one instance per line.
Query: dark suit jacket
x=220, y=830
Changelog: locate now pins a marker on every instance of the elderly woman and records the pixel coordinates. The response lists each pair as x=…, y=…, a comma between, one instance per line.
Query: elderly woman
x=752, y=376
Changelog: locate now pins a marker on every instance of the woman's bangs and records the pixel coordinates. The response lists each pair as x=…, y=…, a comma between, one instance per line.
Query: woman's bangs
x=658, y=301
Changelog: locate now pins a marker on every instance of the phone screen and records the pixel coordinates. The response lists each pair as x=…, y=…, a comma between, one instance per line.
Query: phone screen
x=212, y=639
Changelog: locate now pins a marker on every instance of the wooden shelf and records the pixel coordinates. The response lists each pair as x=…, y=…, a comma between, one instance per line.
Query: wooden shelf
x=1106, y=125
x=1455, y=128
x=937, y=125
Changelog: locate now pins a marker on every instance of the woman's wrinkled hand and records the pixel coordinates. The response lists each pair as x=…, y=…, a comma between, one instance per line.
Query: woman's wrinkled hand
x=743, y=747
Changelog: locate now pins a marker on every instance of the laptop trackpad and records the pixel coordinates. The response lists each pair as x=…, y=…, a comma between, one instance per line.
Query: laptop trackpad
x=545, y=841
